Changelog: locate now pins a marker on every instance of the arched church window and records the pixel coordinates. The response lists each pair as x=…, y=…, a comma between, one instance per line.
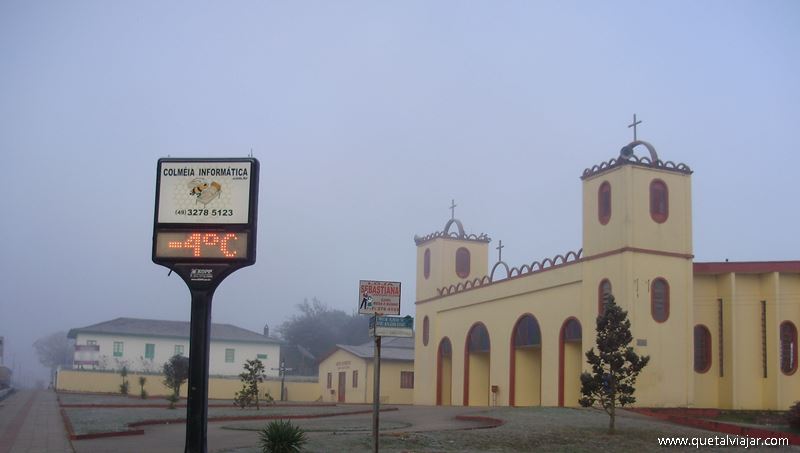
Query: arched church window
x=425, y=331
x=659, y=201
x=788, y=333
x=426, y=264
x=478, y=338
x=659, y=300
x=603, y=291
x=572, y=330
x=527, y=333
x=445, y=348
x=702, y=348
x=604, y=203
x=462, y=262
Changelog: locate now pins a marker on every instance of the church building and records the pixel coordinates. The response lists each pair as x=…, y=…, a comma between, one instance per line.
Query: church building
x=719, y=335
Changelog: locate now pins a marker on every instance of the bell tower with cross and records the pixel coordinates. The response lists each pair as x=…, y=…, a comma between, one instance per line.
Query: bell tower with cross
x=451, y=256
x=637, y=246
x=637, y=200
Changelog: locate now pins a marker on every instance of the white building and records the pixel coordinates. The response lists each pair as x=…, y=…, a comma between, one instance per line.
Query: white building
x=146, y=344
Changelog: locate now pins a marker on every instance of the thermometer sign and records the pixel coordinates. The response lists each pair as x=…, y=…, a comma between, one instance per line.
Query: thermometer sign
x=205, y=211
x=201, y=244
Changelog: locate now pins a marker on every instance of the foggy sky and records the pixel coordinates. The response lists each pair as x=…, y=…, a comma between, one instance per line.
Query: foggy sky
x=368, y=118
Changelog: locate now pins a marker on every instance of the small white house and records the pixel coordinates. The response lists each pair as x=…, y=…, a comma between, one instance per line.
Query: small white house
x=146, y=344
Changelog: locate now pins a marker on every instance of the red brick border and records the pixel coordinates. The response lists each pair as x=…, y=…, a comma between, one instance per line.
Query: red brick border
x=683, y=417
x=490, y=422
x=134, y=432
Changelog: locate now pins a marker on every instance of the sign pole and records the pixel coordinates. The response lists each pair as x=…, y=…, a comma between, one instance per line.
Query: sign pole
x=376, y=399
x=283, y=377
x=197, y=392
x=204, y=228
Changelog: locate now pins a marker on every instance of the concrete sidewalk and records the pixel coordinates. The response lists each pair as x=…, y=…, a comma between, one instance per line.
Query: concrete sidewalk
x=30, y=422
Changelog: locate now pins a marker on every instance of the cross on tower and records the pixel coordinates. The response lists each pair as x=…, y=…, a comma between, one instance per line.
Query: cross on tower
x=633, y=125
x=500, y=251
x=453, y=209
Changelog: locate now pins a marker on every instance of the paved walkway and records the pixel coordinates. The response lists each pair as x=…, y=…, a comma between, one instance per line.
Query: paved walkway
x=170, y=438
x=30, y=422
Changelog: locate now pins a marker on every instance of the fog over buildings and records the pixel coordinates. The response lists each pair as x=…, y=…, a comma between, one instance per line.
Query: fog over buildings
x=368, y=119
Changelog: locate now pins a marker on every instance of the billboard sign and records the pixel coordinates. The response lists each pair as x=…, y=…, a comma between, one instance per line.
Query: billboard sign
x=378, y=297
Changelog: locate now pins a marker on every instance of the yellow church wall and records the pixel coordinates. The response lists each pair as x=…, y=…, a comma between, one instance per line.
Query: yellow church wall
x=447, y=384
x=726, y=290
x=787, y=388
x=573, y=366
x=743, y=385
x=425, y=356
x=747, y=367
x=706, y=312
x=666, y=381
x=528, y=372
x=551, y=296
x=770, y=294
x=479, y=367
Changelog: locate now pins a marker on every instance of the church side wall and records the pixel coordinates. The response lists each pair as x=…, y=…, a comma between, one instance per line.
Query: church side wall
x=787, y=309
x=706, y=313
x=551, y=296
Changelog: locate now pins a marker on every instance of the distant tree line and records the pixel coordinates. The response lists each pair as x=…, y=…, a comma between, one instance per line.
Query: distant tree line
x=318, y=328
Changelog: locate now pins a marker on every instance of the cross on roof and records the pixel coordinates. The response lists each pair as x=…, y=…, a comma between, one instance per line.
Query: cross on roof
x=633, y=125
x=500, y=251
x=453, y=209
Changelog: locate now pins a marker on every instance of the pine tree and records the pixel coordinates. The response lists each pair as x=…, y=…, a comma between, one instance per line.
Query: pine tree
x=615, y=368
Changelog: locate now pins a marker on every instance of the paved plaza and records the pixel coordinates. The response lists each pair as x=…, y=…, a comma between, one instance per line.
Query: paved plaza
x=30, y=422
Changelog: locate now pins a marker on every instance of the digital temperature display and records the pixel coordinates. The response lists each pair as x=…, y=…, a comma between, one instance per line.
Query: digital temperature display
x=201, y=244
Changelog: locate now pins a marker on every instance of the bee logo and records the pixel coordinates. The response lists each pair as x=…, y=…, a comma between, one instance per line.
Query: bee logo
x=204, y=191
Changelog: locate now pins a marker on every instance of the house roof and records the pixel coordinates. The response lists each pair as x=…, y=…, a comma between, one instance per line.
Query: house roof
x=392, y=348
x=170, y=329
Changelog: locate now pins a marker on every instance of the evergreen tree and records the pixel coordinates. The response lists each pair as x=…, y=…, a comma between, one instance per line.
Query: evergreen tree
x=176, y=372
x=615, y=368
x=252, y=375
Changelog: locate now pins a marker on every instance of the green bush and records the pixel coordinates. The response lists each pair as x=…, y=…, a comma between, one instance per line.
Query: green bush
x=173, y=398
x=143, y=392
x=793, y=416
x=281, y=436
x=123, y=388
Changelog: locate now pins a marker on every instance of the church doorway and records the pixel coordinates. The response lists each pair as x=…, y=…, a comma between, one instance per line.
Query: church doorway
x=570, y=359
x=476, y=366
x=525, y=388
x=444, y=373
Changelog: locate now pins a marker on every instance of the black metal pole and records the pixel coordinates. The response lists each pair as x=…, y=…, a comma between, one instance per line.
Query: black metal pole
x=376, y=394
x=283, y=377
x=197, y=392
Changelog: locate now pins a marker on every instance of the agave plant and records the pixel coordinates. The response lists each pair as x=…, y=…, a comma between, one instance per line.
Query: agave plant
x=281, y=436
